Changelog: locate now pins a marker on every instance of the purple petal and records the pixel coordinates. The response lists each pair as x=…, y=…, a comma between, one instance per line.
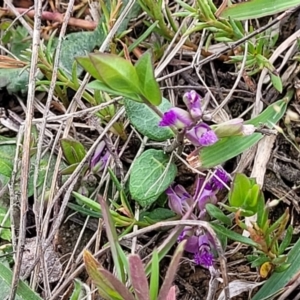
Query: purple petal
x=174, y=201
x=220, y=177
x=181, y=192
x=203, y=240
x=202, y=135
x=192, y=244
x=207, y=196
x=204, y=259
x=97, y=154
x=192, y=101
x=176, y=117
x=208, y=138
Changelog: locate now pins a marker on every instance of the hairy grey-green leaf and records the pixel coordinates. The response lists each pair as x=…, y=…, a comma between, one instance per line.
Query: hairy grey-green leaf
x=151, y=174
x=145, y=120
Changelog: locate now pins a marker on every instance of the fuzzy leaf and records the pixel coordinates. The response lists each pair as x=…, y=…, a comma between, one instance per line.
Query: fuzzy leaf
x=151, y=174
x=145, y=120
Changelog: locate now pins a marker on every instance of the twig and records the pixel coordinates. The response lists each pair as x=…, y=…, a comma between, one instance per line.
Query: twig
x=19, y=15
x=52, y=16
x=39, y=213
x=26, y=148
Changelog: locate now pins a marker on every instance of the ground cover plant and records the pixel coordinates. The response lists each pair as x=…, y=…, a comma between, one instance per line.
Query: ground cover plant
x=149, y=149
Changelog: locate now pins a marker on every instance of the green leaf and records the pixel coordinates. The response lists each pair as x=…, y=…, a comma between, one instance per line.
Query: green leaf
x=88, y=66
x=148, y=83
x=116, y=72
x=23, y=291
x=145, y=120
x=151, y=174
x=5, y=232
x=278, y=281
x=250, y=201
x=99, y=85
x=112, y=237
x=95, y=271
x=218, y=214
x=73, y=150
x=227, y=148
x=239, y=190
x=277, y=83
x=95, y=206
x=78, y=293
x=233, y=235
x=6, y=167
x=286, y=240
x=156, y=215
x=262, y=212
x=85, y=211
x=259, y=261
x=69, y=169
x=257, y=8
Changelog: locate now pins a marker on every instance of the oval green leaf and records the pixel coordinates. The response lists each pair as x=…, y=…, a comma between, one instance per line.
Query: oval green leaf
x=116, y=72
x=101, y=86
x=151, y=174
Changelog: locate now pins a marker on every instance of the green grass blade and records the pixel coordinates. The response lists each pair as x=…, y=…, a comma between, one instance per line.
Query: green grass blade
x=154, y=278
x=23, y=290
x=257, y=9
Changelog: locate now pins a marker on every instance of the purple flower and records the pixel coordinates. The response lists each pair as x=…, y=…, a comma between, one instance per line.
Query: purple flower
x=179, y=199
x=220, y=177
x=202, y=135
x=204, y=195
x=200, y=247
x=97, y=154
x=176, y=117
x=193, y=102
x=99, y=159
x=204, y=258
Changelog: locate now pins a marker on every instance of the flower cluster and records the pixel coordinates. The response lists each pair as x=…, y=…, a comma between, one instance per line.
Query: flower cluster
x=198, y=132
x=180, y=200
